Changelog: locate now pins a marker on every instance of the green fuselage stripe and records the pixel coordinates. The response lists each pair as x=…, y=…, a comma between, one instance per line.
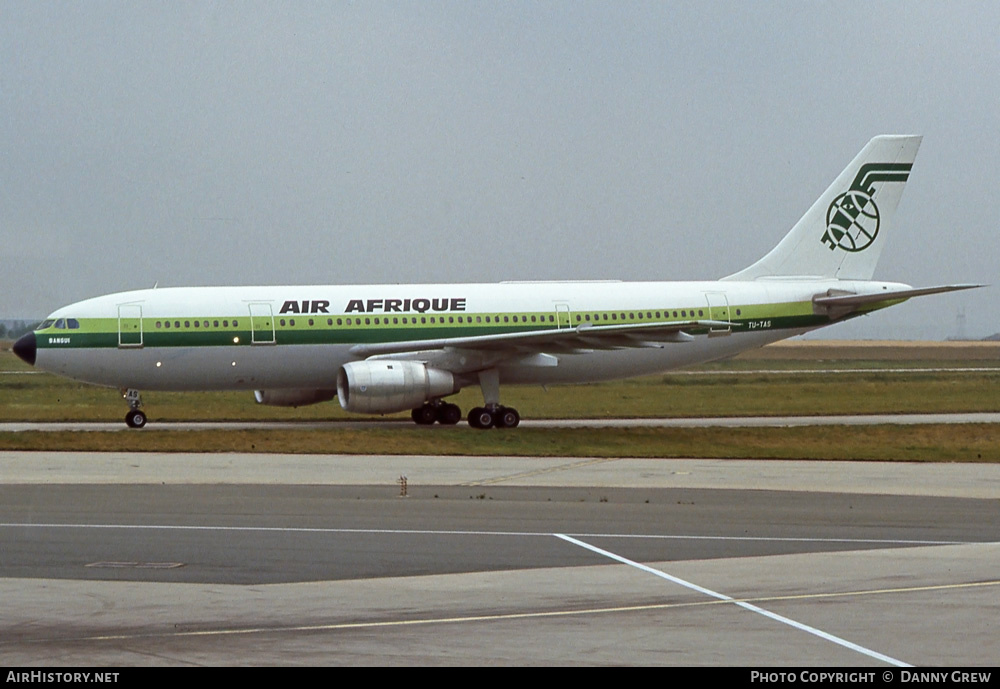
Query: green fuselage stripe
x=375, y=328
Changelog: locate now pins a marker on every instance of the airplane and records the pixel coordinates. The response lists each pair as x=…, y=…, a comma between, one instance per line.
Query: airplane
x=382, y=349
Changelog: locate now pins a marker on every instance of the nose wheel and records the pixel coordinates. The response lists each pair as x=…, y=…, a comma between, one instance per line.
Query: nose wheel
x=135, y=418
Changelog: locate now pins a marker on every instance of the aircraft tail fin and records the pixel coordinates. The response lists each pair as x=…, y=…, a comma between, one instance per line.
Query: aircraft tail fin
x=842, y=234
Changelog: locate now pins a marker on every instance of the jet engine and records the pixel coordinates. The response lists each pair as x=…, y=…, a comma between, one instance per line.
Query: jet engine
x=384, y=386
x=293, y=398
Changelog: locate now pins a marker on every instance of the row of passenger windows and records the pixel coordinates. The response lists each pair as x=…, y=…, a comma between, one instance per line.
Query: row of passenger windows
x=422, y=320
x=684, y=313
x=196, y=324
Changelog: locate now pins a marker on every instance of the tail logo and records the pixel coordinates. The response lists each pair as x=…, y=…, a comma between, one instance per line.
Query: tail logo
x=852, y=220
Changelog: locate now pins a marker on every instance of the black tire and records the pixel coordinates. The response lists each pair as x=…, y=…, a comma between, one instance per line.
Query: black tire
x=449, y=414
x=473, y=417
x=481, y=418
x=135, y=419
x=425, y=415
x=508, y=418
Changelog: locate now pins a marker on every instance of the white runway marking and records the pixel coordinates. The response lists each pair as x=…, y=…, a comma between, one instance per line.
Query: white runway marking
x=748, y=606
x=432, y=532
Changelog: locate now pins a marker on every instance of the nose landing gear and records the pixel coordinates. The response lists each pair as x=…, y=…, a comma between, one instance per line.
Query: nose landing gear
x=134, y=418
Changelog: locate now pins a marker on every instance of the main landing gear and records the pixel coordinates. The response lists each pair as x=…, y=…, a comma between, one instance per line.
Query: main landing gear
x=491, y=415
x=497, y=417
x=444, y=413
x=135, y=418
x=448, y=414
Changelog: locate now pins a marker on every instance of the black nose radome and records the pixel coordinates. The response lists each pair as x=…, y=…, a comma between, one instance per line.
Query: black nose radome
x=25, y=348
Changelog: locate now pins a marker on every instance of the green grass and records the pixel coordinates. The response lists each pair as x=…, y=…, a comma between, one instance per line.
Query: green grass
x=925, y=443
x=43, y=397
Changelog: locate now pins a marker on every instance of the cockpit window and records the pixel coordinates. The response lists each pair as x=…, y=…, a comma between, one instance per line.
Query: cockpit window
x=72, y=324
x=46, y=324
x=61, y=324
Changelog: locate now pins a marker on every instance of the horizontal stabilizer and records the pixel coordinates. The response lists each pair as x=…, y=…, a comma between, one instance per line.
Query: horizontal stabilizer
x=861, y=299
x=839, y=305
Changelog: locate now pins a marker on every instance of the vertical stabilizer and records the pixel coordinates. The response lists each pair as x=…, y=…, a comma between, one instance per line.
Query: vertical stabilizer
x=842, y=234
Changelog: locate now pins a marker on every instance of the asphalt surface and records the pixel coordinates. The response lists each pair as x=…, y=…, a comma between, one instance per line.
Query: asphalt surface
x=221, y=559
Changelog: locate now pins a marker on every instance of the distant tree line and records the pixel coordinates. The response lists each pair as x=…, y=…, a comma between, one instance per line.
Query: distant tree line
x=11, y=330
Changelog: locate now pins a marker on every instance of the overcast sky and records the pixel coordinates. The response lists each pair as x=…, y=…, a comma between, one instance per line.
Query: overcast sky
x=206, y=143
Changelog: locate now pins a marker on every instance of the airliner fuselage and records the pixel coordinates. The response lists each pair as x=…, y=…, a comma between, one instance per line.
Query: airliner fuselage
x=389, y=348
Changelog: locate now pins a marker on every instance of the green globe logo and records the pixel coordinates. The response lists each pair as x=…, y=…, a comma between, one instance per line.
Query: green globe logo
x=852, y=221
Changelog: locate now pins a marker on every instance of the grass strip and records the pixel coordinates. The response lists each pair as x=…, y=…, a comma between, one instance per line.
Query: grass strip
x=924, y=443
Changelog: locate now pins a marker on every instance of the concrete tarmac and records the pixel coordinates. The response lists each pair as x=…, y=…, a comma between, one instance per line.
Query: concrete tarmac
x=570, y=561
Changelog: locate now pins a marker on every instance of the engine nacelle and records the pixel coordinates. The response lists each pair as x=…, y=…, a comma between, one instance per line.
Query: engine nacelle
x=384, y=386
x=293, y=398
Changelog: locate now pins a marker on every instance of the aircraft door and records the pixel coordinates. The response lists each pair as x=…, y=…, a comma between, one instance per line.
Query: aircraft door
x=718, y=310
x=261, y=324
x=562, y=316
x=129, y=325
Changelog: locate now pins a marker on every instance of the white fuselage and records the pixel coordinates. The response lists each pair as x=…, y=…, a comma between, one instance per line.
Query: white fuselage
x=252, y=354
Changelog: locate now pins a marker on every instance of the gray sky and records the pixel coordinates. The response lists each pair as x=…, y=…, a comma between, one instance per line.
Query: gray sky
x=208, y=143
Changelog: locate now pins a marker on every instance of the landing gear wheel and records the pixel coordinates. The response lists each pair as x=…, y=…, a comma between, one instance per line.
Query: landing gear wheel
x=135, y=419
x=449, y=414
x=508, y=418
x=425, y=415
x=480, y=417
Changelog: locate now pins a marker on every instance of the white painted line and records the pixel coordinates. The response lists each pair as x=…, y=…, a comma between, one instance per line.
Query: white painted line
x=747, y=606
x=432, y=532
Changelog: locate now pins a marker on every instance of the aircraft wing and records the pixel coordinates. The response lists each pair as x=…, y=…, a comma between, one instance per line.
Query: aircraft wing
x=569, y=340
